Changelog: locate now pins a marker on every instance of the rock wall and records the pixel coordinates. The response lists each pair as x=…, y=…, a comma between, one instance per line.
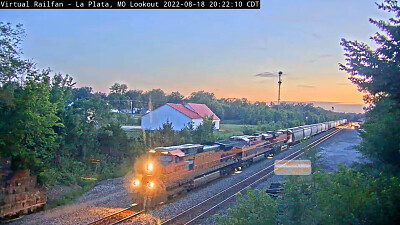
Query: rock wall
x=19, y=192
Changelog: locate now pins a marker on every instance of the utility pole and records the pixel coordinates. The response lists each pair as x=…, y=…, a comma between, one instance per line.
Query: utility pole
x=279, y=87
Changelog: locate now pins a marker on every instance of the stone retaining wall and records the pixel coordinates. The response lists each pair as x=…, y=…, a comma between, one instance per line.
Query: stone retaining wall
x=19, y=193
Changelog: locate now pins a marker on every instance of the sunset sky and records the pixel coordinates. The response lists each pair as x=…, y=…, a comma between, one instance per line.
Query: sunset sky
x=219, y=51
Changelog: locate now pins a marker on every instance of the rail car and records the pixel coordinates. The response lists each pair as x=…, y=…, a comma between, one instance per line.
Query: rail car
x=165, y=172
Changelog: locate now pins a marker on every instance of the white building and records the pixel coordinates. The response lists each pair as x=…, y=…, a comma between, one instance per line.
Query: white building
x=179, y=115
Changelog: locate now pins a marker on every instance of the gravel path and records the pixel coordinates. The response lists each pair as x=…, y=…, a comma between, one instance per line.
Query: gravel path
x=109, y=196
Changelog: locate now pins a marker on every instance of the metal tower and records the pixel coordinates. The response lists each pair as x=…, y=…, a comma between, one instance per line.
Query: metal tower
x=279, y=87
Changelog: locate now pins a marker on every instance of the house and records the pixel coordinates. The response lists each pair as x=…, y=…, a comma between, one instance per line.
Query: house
x=179, y=115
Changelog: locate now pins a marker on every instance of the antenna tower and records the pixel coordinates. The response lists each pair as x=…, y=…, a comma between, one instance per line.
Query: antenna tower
x=279, y=87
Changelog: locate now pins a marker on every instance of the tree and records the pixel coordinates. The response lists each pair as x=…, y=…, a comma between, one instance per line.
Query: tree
x=117, y=97
x=136, y=96
x=201, y=97
x=12, y=66
x=204, y=132
x=257, y=208
x=82, y=93
x=155, y=98
x=118, y=88
x=347, y=196
x=175, y=97
x=376, y=73
x=28, y=136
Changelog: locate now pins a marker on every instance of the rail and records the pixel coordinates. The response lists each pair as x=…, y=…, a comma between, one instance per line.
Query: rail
x=118, y=217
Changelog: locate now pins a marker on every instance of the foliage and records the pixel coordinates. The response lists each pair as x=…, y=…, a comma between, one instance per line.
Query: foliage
x=61, y=134
x=381, y=139
x=343, y=197
x=376, y=73
x=247, y=130
x=28, y=136
x=256, y=208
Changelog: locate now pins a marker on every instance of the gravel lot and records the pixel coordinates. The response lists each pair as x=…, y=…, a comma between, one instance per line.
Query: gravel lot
x=109, y=196
x=340, y=150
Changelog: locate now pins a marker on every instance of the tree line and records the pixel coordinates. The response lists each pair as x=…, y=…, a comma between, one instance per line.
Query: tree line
x=234, y=110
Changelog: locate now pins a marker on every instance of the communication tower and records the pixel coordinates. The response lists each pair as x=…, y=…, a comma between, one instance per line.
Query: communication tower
x=279, y=87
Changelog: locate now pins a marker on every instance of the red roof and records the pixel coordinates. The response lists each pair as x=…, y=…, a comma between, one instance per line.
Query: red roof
x=181, y=108
x=202, y=110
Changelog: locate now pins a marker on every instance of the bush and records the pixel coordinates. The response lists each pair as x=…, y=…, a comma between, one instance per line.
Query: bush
x=255, y=208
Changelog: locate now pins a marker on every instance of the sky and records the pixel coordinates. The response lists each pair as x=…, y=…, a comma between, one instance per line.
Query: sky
x=218, y=51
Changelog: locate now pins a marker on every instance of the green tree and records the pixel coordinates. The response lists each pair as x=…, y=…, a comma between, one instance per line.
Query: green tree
x=347, y=196
x=175, y=97
x=136, y=96
x=376, y=73
x=204, y=132
x=13, y=67
x=82, y=93
x=27, y=136
x=155, y=98
x=256, y=208
x=118, y=88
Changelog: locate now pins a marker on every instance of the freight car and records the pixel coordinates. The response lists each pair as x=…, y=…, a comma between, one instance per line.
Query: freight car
x=165, y=172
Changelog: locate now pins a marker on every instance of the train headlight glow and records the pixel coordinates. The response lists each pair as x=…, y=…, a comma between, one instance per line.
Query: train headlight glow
x=136, y=183
x=150, y=166
x=150, y=184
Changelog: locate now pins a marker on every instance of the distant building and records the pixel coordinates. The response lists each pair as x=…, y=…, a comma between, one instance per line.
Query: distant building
x=179, y=115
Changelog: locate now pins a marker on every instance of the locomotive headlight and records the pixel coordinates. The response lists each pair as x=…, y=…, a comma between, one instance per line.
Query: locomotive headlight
x=136, y=183
x=150, y=166
x=150, y=184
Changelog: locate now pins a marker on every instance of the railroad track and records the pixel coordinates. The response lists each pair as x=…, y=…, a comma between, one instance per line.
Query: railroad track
x=213, y=203
x=119, y=217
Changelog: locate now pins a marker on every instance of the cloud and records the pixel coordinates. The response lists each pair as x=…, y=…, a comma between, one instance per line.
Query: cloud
x=317, y=36
x=323, y=56
x=326, y=56
x=269, y=74
x=312, y=61
x=266, y=74
x=343, y=84
x=305, y=86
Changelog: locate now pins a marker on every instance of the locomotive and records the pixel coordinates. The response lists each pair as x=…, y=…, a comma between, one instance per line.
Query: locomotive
x=165, y=172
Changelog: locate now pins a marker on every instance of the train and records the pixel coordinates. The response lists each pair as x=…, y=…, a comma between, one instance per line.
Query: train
x=165, y=172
